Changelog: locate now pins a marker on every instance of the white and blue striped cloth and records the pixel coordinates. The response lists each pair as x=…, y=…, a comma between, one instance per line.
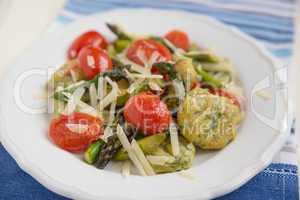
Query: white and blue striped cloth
x=269, y=21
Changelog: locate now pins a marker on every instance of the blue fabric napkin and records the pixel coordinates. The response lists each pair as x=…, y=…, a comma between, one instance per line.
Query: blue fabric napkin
x=277, y=182
x=269, y=21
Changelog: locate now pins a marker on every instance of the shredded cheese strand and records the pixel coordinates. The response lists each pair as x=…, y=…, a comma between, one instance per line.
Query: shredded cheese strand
x=135, y=67
x=112, y=112
x=93, y=95
x=101, y=88
x=126, y=144
x=174, y=139
x=179, y=89
x=78, y=84
x=112, y=96
x=142, y=158
x=126, y=169
x=160, y=160
x=265, y=95
x=134, y=85
x=150, y=76
x=86, y=108
x=187, y=175
x=154, y=86
x=73, y=100
x=107, y=133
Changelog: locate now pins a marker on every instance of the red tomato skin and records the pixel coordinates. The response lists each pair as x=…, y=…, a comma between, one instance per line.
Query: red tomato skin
x=147, y=113
x=70, y=141
x=90, y=38
x=148, y=46
x=223, y=93
x=93, y=61
x=196, y=85
x=179, y=38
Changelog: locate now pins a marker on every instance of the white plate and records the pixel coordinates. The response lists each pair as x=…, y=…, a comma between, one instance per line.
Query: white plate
x=24, y=135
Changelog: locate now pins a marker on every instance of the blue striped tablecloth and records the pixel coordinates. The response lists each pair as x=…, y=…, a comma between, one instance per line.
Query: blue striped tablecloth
x=269, y=21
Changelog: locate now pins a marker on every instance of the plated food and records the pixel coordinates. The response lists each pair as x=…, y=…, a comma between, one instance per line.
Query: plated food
x=213, y=172
x=153, y=100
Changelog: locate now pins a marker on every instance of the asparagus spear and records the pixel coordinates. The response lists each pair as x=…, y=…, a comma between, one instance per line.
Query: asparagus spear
x=92, y=152
x=207, y=77
x=118, y=32
x=121, y=44
x=148, y=145
x=203, y=55
x=110, y=148
x=163, y=42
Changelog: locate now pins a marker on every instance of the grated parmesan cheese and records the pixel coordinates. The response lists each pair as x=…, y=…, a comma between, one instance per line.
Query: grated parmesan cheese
x=135, y=67
x=101, y=88
x=75, y=85
x=129, y=75
x=174, y=139
x=112, y=96
x=142, y=57
x=134, y=85
x=179, y=89
x=150, y=76
x=160, y=160
x=93, y=95
x=126, y=144
x=264, y=94
x=176, y=50
x=73, y=100
x=112, y=112
x=126, y=169
x=86, y=108
x=153, y=59
x=107, y=133
x=154, y=86
x=142, y=158
x=187, y=175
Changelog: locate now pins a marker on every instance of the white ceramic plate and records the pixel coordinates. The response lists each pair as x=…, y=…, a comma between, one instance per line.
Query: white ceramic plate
x=24, y=135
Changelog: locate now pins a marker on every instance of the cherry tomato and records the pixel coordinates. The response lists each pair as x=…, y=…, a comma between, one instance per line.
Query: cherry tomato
x=93, y=61
x=223, y=93
x=179, y=38
x=196, y=85
x=147, y=47
x=90, y=38
x=147, y=113
x=66, y=139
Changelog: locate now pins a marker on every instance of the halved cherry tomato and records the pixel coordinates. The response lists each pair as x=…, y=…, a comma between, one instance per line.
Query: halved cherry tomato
x=66, y=139
x=93, y=61
x=223, y=93
x=90, y=38
x=147, y=113
x=147, y=47
x=179, y=38
x=196, y=85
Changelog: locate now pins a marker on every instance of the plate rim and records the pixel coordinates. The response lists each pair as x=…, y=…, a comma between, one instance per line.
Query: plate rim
x=237, y=181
